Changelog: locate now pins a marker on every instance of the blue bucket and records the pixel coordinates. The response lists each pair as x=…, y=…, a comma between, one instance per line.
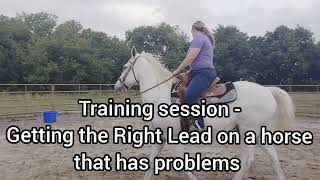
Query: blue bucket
x=49, y=116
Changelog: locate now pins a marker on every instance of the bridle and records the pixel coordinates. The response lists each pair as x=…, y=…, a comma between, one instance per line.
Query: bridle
x=130, y=68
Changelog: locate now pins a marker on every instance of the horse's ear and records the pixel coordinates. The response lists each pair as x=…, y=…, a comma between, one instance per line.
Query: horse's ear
x=133, y=51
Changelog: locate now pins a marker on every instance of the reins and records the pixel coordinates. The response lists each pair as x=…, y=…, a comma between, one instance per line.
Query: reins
x=156, y=85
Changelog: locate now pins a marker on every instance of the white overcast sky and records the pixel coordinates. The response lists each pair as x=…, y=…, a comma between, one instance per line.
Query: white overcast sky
x=114, y=17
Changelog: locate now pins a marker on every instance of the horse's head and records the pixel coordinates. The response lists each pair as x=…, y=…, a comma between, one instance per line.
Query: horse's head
x=128, y=76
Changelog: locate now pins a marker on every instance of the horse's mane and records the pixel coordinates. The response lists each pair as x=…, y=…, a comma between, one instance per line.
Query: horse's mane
x=157, y=64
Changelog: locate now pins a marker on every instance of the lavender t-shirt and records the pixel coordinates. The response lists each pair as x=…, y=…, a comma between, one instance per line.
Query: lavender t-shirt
x=205, y=56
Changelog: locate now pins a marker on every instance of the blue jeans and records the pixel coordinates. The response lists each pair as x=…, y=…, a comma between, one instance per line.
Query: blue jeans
x=200, y=81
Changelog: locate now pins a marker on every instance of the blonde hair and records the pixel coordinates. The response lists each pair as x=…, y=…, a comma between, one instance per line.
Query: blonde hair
x=200, y=26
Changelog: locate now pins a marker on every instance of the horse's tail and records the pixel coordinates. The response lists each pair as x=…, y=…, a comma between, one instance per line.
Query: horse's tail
x=285, y=113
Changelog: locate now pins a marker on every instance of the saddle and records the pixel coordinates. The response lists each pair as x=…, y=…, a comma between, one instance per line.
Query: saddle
x=216, y=93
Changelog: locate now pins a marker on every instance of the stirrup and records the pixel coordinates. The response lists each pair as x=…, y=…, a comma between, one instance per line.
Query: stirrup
x=197, y=124
x=198, y=127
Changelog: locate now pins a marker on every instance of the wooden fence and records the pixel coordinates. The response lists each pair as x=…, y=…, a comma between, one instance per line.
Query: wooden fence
x=24, y=99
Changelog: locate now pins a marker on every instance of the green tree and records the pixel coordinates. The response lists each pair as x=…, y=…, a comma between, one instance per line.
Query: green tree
x=164, y=40
x=34, y=49
x=14, y=38
x=285, y=56
x=41, y=24
x=232, y=53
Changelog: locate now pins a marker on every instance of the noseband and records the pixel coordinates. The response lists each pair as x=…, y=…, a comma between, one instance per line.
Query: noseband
x=131, y=68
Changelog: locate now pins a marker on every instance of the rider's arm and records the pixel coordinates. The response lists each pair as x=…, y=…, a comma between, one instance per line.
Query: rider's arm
x=192, y=54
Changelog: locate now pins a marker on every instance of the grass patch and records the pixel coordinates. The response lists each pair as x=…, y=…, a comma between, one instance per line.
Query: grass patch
x=66, y=101
x=306, y=103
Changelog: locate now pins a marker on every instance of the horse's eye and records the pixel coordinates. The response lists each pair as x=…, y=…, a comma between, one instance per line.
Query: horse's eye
x=124, y=68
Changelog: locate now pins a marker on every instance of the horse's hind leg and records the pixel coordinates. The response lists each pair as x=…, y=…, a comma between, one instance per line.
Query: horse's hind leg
x=156, y=150
x=271, y=152
x=246, y=158
x=179, y=153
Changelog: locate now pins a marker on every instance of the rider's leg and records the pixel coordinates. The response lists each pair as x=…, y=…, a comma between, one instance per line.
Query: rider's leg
x=199, y=83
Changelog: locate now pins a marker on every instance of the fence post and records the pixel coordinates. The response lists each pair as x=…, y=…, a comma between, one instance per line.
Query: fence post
x=290, y=90
x=25, y=89
x=100, y=90
x=52, y=96
x=317, y=88
x=25, y=97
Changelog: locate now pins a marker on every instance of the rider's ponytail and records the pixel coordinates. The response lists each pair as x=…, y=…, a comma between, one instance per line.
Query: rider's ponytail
x=200, y=26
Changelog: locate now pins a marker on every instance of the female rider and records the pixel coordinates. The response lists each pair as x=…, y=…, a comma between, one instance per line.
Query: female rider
x=200, y=61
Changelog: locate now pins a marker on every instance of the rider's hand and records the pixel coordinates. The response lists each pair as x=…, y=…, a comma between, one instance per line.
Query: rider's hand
x=176, y=72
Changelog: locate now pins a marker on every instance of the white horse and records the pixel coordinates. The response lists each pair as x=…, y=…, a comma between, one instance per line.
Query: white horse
x=261, y=106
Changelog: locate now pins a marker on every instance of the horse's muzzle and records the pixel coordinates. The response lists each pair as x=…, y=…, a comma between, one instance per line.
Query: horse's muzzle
x=119, y=87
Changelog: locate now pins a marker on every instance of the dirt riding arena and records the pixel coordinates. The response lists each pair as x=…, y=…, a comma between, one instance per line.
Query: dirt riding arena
x=35, y=161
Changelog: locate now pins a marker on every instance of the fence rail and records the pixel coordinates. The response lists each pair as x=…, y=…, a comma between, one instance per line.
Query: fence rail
x=23, y=99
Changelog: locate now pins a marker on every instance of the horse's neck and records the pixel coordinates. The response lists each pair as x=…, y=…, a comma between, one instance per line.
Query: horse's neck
x=150, y=76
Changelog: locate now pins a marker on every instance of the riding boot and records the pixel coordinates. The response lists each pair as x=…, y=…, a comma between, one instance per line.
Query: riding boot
x=185, y=123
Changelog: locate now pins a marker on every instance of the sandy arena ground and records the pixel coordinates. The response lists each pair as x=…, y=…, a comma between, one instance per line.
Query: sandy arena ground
x=35, y=161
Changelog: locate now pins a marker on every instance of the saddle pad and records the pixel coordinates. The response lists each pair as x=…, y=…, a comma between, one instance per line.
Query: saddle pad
x=229, y=96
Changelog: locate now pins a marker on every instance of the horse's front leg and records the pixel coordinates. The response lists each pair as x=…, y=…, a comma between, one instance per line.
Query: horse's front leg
x=179, y=153
x=246, y=158
x=156, y=150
